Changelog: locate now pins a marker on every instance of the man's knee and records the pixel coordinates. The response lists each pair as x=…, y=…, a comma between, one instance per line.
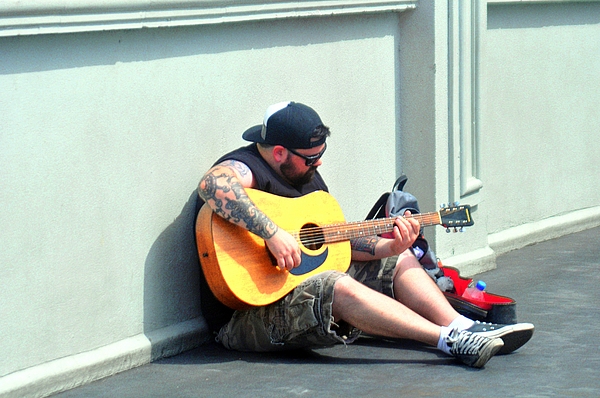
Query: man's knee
x=407, y=260
x=345, y=286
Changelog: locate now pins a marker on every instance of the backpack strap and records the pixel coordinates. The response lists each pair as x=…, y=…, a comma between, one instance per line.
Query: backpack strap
x=378, y=207
x=400, y=182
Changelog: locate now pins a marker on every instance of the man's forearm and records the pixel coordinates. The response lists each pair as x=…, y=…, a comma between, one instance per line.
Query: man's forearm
x=372, y=248
x=365, y=245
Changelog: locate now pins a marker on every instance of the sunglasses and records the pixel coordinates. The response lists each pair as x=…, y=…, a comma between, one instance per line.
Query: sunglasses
x=312, y=159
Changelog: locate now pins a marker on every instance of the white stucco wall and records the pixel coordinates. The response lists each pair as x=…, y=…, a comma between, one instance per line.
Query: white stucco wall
x=524, y=95
x=106, y=128
x=104, y=136
x=541, y=108
x=539, y=113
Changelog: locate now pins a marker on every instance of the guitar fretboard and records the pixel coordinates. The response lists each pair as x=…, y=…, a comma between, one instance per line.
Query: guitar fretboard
x=341, y=232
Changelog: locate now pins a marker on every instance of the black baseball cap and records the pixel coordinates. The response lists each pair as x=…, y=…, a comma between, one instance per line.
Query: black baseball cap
x=289, y=124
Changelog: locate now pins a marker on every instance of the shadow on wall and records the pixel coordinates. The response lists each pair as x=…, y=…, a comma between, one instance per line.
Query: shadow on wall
x=520, y=16
x=172, y=273
x=36, y=53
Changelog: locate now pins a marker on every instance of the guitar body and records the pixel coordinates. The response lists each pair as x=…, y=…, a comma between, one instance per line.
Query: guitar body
x=237, y=264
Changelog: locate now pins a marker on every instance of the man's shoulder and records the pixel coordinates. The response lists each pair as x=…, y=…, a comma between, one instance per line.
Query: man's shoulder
x=242, y=154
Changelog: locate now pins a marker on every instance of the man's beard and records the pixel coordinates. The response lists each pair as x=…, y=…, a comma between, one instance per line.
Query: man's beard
x=296, y=179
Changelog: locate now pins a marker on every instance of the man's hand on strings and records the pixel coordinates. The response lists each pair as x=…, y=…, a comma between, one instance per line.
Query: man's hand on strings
x=406, y=231
x=285, y=250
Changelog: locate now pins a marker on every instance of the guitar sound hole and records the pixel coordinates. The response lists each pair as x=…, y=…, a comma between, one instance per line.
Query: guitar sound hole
x=312, y=236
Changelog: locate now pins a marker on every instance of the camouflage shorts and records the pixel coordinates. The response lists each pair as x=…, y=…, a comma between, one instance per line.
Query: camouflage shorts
x=303, y=319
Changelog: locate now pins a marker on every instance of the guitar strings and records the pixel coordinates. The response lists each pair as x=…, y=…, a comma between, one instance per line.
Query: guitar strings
x=344, y=231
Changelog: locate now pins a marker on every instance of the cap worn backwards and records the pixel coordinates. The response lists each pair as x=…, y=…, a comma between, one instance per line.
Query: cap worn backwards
x=289, y=124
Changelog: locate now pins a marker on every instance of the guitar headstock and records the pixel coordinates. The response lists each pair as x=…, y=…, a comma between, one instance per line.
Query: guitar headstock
x=456, y=216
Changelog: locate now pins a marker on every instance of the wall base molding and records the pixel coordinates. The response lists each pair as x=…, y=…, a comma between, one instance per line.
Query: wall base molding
x=550, y=228
x=76, y=370
x=474, y=262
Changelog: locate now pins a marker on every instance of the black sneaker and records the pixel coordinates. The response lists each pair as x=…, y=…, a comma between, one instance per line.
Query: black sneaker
x=513, y=336
x=472, y=349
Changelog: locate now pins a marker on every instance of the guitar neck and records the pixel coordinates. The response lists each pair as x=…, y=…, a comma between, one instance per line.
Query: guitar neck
x=342, y=232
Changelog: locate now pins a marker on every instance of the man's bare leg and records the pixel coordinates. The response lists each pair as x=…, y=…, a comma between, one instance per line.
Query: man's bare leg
x=416, y=290
x=378, y=314
x=417, y=313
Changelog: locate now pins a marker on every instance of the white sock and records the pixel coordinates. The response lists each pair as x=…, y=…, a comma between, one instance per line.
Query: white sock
x=442, y=345
x=461, y=323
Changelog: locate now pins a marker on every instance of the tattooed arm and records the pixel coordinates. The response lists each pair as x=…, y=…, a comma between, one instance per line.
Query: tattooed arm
x=223, y=189
x=368, y=248
x=365, y=244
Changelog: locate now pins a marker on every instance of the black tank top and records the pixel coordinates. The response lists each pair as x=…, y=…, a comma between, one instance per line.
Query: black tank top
x=215, y=313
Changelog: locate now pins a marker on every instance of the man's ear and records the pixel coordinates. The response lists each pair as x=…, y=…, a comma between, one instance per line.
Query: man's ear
x=279, y=153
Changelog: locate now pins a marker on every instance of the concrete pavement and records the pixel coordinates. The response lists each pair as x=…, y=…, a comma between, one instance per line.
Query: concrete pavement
x=556, y=285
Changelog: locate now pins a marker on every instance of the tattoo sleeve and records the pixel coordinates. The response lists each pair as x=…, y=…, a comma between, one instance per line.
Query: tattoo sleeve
x=365, y=244
x=221, y=189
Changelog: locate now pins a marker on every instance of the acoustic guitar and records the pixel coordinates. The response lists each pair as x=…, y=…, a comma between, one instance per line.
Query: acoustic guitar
x=242, y=273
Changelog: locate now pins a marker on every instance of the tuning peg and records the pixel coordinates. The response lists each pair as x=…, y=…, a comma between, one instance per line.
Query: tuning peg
x=442, y=205
x=456, y=203
x=447, y=230
x=462, y=229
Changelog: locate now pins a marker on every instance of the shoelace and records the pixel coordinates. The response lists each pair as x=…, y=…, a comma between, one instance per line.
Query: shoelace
x=465, y=343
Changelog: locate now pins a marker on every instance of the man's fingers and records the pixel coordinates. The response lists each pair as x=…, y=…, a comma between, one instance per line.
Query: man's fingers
x=290, y=262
